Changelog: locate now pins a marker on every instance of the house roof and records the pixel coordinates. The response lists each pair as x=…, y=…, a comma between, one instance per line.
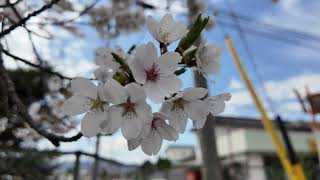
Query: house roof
x=242, y=122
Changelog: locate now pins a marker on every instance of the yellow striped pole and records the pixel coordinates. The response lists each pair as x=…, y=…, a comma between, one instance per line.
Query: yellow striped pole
x=264, y=117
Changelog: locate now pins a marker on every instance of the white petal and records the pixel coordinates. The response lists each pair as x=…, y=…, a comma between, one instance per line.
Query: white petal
x=138, y=71
x=169, y=84
x=197, y=110
x=103, y=74
x=76, y=105
x=198, y=124
x=165, y=131
x=144, y=112
x=211, y=67
x=84, y=87
x=105, y=58
x=194, y=93
x=114, y=92
x=136, y=92
x=114, y=122
x=134, y=143
x=131, y=125
x=168, y=63
x=103, y=55
x=177, y=32
x=154, y=92
x=90, y=125
x=152, y=25
x=178, y=119
x=207, y=58
x=101, y=92
x=151, y=144
x=167, y=22
x=147, y=55
x=166, y=107
x=216, y=103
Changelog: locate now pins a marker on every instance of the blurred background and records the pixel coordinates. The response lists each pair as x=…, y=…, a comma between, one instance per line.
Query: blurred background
x=278, y=44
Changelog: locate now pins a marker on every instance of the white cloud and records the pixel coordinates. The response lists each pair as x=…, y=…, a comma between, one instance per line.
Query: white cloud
x=235, y=84
x=299, y=16
x=282, y=89
x=115, y=147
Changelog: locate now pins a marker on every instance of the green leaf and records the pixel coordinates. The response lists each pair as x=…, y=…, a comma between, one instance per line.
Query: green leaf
x=193, y=34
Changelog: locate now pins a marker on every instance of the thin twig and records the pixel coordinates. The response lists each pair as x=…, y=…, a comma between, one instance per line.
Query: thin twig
x=24, y=20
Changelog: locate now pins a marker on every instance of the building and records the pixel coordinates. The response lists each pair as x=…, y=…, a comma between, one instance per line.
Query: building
x=246, y=151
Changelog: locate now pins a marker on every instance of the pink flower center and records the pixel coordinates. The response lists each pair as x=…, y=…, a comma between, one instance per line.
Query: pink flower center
x=153, y=73
x=128, y=107
x=153, y=124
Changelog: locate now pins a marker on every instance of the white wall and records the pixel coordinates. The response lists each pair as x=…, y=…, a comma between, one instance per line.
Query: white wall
x=256, y=168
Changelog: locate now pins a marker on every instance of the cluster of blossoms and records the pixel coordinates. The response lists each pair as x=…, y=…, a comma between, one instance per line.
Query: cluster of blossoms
x=124, y=82
x=122, y=16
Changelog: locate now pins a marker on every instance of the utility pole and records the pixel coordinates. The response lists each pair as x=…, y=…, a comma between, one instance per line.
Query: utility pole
x=211, y=168
x=95, y=171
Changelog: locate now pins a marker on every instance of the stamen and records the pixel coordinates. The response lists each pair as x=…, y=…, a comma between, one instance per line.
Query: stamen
x=153, y=73
x=178, y=104
x=128, y=108
x=97, y=104
x=164, y=34
x=153, y=124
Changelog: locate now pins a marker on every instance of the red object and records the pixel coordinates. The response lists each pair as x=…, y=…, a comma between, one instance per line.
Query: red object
x=193, y=174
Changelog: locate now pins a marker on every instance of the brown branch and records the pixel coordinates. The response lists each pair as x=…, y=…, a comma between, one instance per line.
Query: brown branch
x=44, y=69
x=22, y=111
x=24, y=20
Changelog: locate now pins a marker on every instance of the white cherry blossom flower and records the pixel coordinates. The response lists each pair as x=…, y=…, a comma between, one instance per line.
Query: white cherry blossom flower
x=152, y=135
x=208, y=58
x=129, y=110
x=34, y=109
x=54, y=84
x=104, y=58
x=167, y=30
x=184, y=105
x=88, y=98
x=156, y=74
x=216, y=106
x=103, y=74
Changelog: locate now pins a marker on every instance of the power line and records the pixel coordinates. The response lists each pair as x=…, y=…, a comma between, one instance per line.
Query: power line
x=268, y=31
x=252, y=60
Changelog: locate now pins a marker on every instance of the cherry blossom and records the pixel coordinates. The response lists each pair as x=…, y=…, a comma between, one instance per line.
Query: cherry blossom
x=208, y=58
x=167, y=30
x=103, y=74
x=184, y=105
x=105, y=59
x=54, y=84
x=129, y=110
x=156, y=74
x=216, y=106
x=88, y=98
x=152, y=135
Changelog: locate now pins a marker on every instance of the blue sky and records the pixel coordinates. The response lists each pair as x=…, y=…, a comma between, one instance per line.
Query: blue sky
x=282, y=66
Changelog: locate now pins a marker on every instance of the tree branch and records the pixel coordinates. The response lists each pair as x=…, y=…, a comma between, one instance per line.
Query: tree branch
x=45, y=69
x=24, y=20
x=22, y=111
